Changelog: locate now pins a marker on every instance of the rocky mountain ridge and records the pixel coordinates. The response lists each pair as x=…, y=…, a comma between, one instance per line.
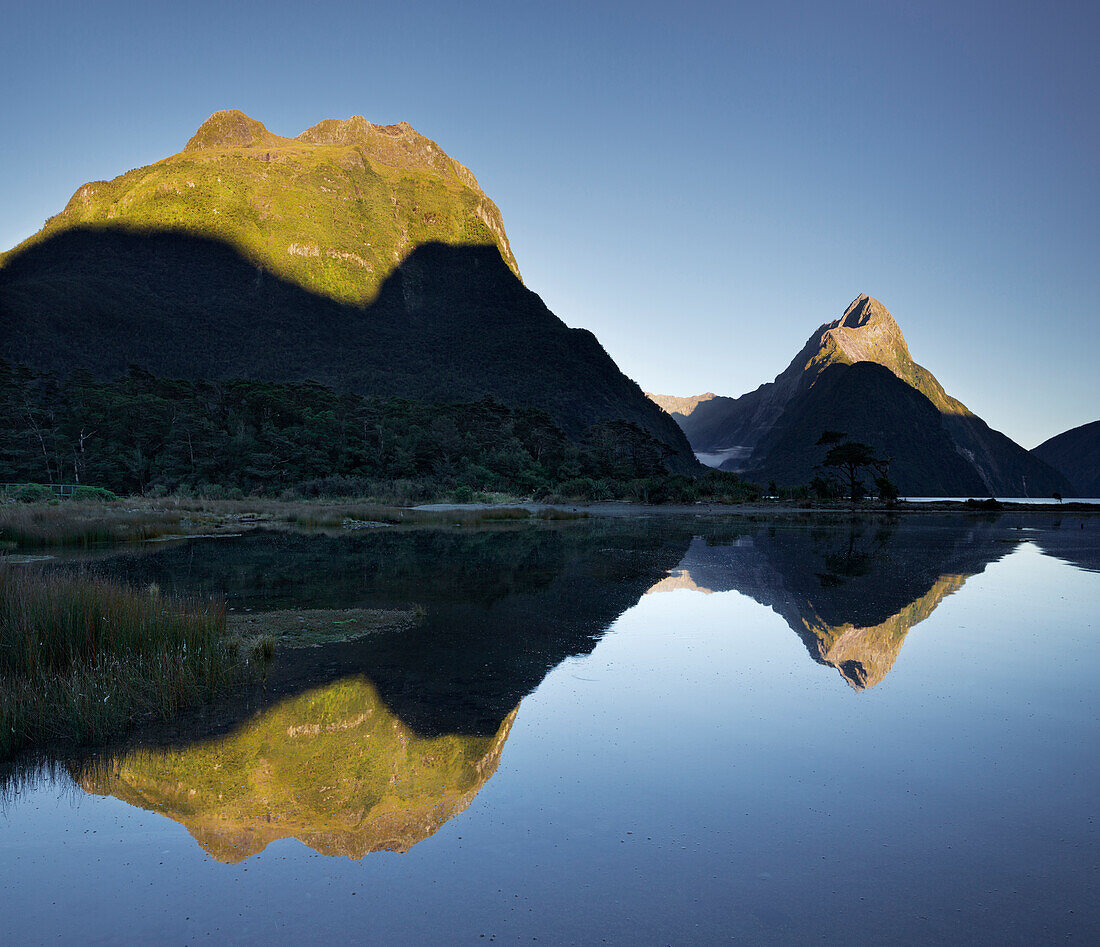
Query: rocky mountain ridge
x=334, y=210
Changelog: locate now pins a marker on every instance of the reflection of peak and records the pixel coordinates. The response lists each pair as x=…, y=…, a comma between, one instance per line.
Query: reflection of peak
x=332, y=767
x=864, y=656
x=850, y=594
x=679, y=579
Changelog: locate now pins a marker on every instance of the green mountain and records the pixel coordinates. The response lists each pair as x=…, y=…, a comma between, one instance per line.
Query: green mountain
x=1076, y=454
x=334, y=210
x=358, y=256
x=940, y=447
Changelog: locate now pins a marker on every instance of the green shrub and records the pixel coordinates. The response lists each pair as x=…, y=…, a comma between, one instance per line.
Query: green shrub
x=33, y=493
x=583, y=488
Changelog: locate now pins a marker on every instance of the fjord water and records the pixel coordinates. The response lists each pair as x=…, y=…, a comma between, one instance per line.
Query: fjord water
x=650, y=730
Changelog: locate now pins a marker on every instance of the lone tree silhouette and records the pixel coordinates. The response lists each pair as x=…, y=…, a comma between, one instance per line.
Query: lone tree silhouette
x=851, y=460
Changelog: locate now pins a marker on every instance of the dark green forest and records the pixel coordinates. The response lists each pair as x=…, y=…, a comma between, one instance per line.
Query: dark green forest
x=140, y=434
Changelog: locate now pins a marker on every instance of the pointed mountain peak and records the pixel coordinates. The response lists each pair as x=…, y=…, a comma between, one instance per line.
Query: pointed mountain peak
x=868, y=333
x=866, y=310
x=232, y=129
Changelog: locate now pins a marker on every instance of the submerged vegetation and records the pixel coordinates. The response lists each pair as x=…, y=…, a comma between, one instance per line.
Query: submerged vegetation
x=82, y=659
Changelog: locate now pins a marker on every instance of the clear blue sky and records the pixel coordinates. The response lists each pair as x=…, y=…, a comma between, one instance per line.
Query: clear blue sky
x=701, y=185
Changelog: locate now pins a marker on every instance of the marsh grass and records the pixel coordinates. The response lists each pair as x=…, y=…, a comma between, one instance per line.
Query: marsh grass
x=82, y=659
x=29, y=526
x=322, y=516
x=81, y=524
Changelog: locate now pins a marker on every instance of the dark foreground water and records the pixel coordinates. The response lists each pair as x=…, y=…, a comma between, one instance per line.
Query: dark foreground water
x=656, y=731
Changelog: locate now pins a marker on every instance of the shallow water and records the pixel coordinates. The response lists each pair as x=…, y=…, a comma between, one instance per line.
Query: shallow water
x=656, y=731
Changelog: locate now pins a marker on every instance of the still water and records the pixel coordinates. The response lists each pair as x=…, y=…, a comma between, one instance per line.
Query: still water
x=649, y=731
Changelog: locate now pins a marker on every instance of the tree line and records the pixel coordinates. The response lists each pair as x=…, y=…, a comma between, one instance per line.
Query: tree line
x=141, y=434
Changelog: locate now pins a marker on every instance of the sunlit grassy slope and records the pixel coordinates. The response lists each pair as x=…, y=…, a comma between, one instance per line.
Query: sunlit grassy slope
x=333, y=210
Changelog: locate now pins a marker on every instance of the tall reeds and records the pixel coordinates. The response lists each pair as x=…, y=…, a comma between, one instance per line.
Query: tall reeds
x=76, y=524
x=82, y=659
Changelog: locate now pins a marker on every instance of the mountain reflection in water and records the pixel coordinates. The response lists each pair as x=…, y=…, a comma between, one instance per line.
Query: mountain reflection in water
x=373, y=744
x=332, y=767
x=852, y=593
x=502, y=607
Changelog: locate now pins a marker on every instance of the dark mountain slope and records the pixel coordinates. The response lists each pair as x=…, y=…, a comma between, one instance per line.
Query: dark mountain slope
x=450, y=323
x=870, y=404
x=866, y=334
x=1076, y=454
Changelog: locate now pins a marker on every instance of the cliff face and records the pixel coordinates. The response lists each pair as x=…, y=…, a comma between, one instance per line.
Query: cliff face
x=776, y=426
x=681, y=406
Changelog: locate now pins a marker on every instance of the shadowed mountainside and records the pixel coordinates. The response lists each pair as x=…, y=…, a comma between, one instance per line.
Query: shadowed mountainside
x=451, y=323
x=1076, y=454
x=870, y=405
x=776, y=426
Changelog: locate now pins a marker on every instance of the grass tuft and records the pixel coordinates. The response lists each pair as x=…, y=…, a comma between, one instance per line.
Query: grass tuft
x=82, y=659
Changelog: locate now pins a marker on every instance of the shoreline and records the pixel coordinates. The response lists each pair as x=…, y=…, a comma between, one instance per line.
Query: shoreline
x=612, y=508
x=31, y=532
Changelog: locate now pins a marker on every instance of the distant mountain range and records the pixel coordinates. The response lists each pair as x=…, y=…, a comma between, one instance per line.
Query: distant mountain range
x=856, y=375
x=358, y=256
x=1075, y=453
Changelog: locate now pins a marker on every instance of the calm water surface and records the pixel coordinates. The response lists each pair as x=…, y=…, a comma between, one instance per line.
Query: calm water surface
x=656, y=731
